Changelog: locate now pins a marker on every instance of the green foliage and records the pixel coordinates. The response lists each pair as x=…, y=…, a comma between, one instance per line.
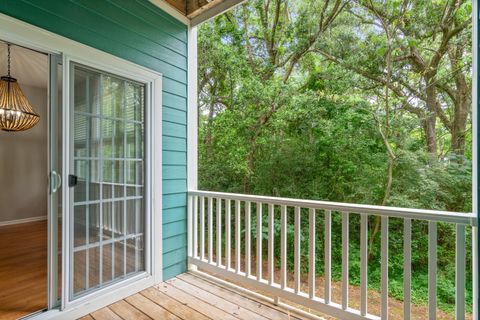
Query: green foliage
x=324, y=131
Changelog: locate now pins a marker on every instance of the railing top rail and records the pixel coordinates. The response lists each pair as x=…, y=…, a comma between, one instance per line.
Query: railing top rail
x=417, y=214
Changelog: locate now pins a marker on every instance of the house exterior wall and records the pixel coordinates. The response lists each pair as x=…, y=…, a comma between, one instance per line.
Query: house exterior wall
x=140, y=32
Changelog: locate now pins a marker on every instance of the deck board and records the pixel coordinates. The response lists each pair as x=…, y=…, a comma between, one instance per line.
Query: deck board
x=189, y=297
x=230, y=307
x=194, y=303
x=179, y=309
x=105, y=314
x=150, y=308
x=270, y=312
x=127, y=311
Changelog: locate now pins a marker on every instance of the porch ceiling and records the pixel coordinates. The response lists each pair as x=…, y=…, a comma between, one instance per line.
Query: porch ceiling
x=198, y=11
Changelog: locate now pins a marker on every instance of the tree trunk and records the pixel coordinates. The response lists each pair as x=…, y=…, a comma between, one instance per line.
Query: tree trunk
x=459, y=126
x=462, y=103
x=208, y=137
x=429, y=123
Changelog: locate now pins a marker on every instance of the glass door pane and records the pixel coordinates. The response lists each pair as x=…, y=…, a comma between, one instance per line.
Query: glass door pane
x=107, y=242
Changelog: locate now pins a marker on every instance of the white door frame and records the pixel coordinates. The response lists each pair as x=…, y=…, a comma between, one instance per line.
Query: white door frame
x=21, y=33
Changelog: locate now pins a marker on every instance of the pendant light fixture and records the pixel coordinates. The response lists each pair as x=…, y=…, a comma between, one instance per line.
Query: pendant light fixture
x=16, y=113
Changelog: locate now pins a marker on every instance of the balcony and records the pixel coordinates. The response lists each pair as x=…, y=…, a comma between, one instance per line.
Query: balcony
x=190, y=297
x=232, y=237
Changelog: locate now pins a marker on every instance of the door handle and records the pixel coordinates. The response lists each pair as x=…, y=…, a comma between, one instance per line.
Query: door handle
x=72, y=180
x=55, y=181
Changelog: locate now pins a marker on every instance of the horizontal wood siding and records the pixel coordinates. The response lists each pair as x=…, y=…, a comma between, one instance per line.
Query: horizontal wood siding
x=137, y=31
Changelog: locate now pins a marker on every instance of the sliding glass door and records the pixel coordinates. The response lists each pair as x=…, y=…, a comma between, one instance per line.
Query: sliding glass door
x=107, y=180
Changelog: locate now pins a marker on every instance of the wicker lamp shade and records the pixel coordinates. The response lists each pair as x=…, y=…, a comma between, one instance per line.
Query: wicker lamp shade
x=16, y=113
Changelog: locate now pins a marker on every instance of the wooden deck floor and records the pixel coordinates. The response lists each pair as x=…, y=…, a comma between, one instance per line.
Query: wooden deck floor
x=190, y=297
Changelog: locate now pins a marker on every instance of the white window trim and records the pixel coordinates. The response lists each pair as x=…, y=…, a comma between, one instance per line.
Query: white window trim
x=21, y=33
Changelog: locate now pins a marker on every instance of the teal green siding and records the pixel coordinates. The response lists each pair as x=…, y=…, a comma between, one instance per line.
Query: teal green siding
x=137, y=31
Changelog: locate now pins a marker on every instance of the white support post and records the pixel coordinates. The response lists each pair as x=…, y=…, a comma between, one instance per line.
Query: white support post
x=432, y=270
x=210, y=229
x=192, y=112
x=475, y=158
x=271, y=265
x=219, y=232
x=259, y=241
x=237, y=236
x=195, y=227
x=248, y=238
x=311, y=255
x=192, y=123
x=345, y=245
x=363, y=264
x=384, y=267
x=460, y=273
x=202, y=228
x=283, y=248
x=475, y=271
x=407, y=267
x=190, y=227
x=296, y=272
x=328, y=256
x=228, y=234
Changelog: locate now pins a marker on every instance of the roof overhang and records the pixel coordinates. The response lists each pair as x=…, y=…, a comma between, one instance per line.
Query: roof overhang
x=194, y=12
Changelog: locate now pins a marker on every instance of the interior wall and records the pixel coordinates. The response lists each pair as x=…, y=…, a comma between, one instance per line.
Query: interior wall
x=23, y=164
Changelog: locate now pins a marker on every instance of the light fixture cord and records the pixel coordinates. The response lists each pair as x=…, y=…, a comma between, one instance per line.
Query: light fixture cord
x=9, y=87
x=8, y=49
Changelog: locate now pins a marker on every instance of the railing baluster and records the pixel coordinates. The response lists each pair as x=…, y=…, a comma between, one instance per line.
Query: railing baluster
x=237, y=235
x=270, y=244
x=283, y=248
x=407, y=267
x=296, y=273
x=475, y=272
x=195, y=226
x=432, y=270
x=384, y=267
x=248, y=240
x=311, y=255
x=219, y=231
x=345, y=245
x=259, y=241
x=363, y=264
x=202, y=228
x=328, y=256
x=190, y=226
x=228, y=234
x=210, y=230
x=460, y=273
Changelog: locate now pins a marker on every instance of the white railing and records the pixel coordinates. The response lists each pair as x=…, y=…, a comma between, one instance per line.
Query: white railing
x=203, y=205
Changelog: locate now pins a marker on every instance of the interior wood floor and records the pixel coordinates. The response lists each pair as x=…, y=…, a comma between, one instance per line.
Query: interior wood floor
x=23, y=269
x=190, y=297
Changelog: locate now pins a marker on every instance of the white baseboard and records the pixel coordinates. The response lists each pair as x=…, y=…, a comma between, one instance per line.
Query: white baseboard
x=26, y=220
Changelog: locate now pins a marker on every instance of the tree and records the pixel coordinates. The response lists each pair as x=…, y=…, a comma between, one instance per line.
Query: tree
x=328, y=100
x=428, y=48
x=272, y=55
